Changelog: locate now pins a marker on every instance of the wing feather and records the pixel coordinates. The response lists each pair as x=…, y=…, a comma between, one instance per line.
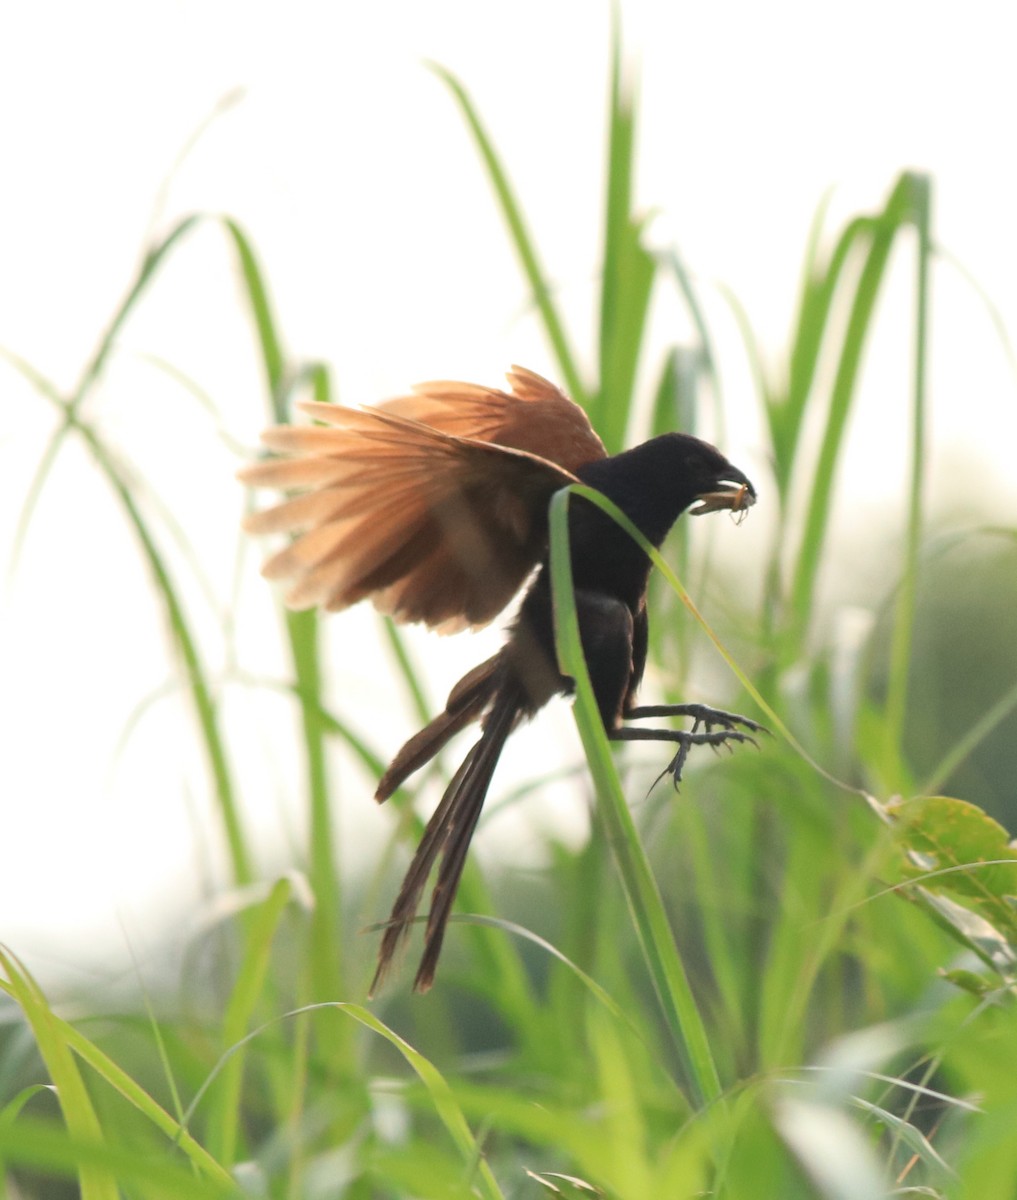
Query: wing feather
x=534, y=415
x=430, y=525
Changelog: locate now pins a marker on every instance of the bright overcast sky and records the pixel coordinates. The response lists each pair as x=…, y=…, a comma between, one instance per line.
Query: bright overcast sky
x=348, y=164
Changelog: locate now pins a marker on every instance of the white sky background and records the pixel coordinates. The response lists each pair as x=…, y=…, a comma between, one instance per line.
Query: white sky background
x=347, y=163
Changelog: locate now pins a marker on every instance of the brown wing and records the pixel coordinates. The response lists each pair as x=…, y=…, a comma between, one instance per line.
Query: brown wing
x=432, y=527
x=534, y=416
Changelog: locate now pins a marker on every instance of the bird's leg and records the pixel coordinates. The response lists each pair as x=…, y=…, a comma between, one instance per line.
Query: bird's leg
x=701, y=714
x=687, y=738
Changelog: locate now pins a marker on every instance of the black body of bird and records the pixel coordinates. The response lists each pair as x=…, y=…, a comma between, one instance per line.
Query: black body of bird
x=435, y=506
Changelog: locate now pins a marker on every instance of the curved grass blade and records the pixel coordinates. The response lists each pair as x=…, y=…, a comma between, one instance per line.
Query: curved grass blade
x=151, y=262
x=136, y=1095
x=96, y=1181
x=628, y=269
x=324, y=961
x=708, y=358
x=644, y=900
x=445, y=1104
x=186, y=645
x=993, y=717
x=772, y=716
x=410, y=675
x=520, y=236
x=259, y=934
x=899, y=211
x=272, y=356
x=995, y=316
x=915, y=209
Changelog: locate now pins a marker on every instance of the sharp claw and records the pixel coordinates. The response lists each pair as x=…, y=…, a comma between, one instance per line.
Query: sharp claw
x=715, y=739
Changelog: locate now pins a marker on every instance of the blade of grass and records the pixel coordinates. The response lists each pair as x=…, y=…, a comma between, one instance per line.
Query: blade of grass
x=185, y=643
x=443, y=1099
x=445, y=1105
x=93, y=369
x=269, y=343
x=96, y=1180
x=628, y=269
x=325, y=960
x=410, y=675
x=136, y=1095
x=642, y=895
x=897, y=213
x=994, y=716
x=224, y=1120
x=707, y=356
x=520, y=237
x=151, y=263
x=777, y=723
x=918, y=213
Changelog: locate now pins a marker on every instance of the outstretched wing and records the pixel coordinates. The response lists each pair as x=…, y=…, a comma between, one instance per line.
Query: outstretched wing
x=431, y=526
x=535, y=416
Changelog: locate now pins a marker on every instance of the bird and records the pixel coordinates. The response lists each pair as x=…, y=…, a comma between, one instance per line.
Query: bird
x=434, y=506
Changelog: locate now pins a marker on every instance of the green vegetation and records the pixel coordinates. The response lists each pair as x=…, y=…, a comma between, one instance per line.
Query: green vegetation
x=783, y=982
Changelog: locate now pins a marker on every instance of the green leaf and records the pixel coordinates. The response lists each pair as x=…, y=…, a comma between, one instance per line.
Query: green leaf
x=967, y=868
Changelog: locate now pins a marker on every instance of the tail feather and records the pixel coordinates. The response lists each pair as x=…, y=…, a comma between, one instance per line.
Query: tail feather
x=466, y=702
x=448, y=835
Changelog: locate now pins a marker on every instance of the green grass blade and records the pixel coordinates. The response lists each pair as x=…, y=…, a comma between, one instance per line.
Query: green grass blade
x=46, y=460
x=259, y=933
x=992, y=310
x=185, y=643
x=672, y=260
x=897, y=213
x=14, y=1107
x=628, y=270
x=120, y=1081
x=521, y=239
x=151, y=263
x=810, y=328
x=205, y=705
x=644, y=900
x=445, y=1104
x=96, y=1181
x=411, y=677
x=991, y=719
x=918, y=213
x=272, y=355
x=325, y=961
x=776, y=722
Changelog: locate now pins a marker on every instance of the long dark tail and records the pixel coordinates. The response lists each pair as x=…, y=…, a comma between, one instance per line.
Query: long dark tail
x=466, y=702
x=448, y=834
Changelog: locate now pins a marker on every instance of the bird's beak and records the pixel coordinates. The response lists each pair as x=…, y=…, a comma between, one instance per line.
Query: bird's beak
x=733, y=492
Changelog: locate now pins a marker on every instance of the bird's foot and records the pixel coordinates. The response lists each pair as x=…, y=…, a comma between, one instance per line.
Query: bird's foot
x=687, y=738
x=710, y=727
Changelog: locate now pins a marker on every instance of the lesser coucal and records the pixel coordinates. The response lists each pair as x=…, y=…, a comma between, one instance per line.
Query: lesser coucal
x=434, y=506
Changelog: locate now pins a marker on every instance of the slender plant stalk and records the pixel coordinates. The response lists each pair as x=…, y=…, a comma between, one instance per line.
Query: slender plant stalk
x=511, y=211
x=920, y=198
x=645, y=904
